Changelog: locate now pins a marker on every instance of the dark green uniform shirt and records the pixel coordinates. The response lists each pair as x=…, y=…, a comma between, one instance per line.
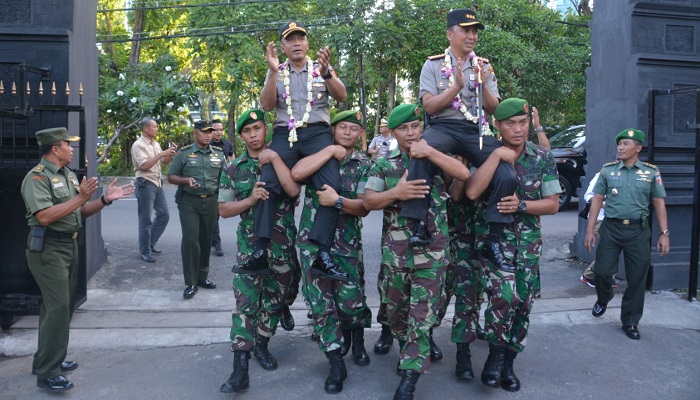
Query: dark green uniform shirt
x=202, y=164
x=47, y=185
x=628, y=190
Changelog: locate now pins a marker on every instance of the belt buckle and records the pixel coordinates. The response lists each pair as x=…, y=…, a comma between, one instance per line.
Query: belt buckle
x=74, y=235
x=625, y=222
x=203, y=196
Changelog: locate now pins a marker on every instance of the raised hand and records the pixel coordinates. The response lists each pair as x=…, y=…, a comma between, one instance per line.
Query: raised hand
x=324, y=59
x=273, y=62
x=115, y=192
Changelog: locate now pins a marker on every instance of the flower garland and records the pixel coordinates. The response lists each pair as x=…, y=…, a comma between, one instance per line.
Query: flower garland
x=293, y=124
x=457, y=103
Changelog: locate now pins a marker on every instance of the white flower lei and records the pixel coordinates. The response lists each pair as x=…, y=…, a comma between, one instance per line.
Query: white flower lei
x=457, y=101
x=292, y=125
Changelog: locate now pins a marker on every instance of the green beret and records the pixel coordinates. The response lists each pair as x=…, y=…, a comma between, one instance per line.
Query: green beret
x=52, y=135
x=249, y=117
x=510, y=108
x=630, y=134
x=353, y=116
x=403, y=113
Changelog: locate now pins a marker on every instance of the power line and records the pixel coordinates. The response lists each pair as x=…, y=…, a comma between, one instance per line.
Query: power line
x=228, y=3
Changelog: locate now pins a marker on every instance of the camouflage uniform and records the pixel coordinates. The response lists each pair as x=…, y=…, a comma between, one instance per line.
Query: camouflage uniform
x=259, y=298
x=335, y=304
x=413, y=278
x=537, y=178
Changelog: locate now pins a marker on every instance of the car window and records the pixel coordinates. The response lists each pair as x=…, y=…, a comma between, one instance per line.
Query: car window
x=572, y=137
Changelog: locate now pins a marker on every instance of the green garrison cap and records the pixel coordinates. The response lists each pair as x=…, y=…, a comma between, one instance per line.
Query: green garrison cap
x=53, y=135
x=510, y=108
x=630, y=134
x=353, y=116
x=249, y=117
x=401, y=114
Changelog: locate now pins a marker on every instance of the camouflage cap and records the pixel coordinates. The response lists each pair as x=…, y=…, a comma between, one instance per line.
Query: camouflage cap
x=353, y=116
x=249, y=117
x=203, y=125
x=630, y=134
x=52, y=135
x=403, y=113
x=510, y=108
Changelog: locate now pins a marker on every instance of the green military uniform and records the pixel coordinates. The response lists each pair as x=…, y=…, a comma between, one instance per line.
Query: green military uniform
x=259, y=298
x=55, y=269
x=197, y=206
x=413, y=278
x=337, y=305
x=537, y=179
x=628, y=191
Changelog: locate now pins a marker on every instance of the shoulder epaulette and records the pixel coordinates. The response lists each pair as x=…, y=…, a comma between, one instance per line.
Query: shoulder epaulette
x=436, y=57
x=39, y=168
x=185, y=147
x=612, y=163
x=650, y=165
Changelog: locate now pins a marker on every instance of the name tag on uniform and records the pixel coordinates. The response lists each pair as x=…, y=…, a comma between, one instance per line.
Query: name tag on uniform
x=58, y=185
x=472, y=77
x=192, y=155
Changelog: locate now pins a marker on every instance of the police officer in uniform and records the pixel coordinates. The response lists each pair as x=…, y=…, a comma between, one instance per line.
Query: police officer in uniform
x=298, y=90
x=196, y=169
x=56, y=204
x=448, y=89
x=628, y=187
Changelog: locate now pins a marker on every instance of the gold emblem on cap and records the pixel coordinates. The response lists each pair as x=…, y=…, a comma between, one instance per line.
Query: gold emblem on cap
x=469, y=16
x=358, y=116
x=253, y=115
x=630, y=133
x=292, y=24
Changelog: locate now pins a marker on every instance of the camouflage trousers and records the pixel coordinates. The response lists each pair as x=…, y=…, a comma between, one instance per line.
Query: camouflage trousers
x=412, y=300
x=259, y=301
x=335, y=305
x=381, y=312
x=527, y=282
x=446, y=293
x=468, y=289
x=503, y=300
x=296, y=279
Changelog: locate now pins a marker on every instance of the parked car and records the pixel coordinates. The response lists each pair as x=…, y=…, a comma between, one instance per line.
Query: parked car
x=568, y=151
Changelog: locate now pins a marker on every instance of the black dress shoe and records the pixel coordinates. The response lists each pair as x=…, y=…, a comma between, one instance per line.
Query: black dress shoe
x=323, y=265
x=156, y=250
x=257, y=264
x=599, y=309
x=421, y=235
x=493, y=251
x=148, y=258
x=631, y=331
x=206, y=284
x=287, y=319
x=55, y=384
x=66, y=366
x=218, y=251
x=189, y=291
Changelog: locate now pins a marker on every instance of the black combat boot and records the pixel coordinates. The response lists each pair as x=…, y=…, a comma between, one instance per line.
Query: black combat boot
x=287, y=319
x=337, y=374
x=260, y=352
x=464, y=371
x=493, y=252
x=386, y=339
x=238, y=381
x=509, y=381
x=491, y=375
x=359, y=354
x=435, y=352
x=347, y=342
x=421, y=235
x=323, y=265
x=409, y=378
x=257, y=264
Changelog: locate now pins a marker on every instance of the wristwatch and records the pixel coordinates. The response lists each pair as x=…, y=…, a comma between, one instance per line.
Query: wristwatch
x=665, y=233
x=338, y=203
x=540, y=129
x=327, y=76
x=522, y=206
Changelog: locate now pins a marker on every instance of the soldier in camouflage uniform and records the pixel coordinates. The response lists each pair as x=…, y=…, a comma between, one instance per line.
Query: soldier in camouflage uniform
x=337, y=306
x=537, y=194
x=259, y=297
x=415, y=276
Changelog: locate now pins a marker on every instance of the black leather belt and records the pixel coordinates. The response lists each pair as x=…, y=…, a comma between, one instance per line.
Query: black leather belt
x=61, y=235
x=637, y=221
x=201, y=196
